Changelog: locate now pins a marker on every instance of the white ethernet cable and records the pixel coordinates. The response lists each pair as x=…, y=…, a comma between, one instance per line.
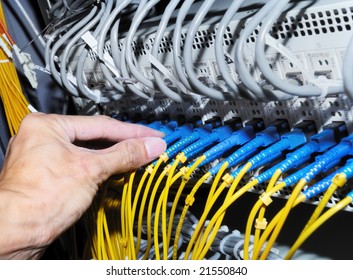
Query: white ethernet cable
x=95, y=95
x=154, y=53
x=92, y=21
x=251, y=86
x=123, y=66
x=177, y=57
x=119, y=7
x=219, y=52
x=138, y=18
x=200, y=88
x=59, y=44
x=277, y=82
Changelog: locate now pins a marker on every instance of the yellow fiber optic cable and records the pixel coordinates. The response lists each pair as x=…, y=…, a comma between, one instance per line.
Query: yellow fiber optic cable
x=163, y=199
x=164, y=196
x=123, y=218
x=287, y=208
x=322, y=219
x=150, y=208
x=15, y=104
x=272, y=224
x=212, y=196
x=259, y=206
x=216, y=180
x=185, y=210
x=134, y=207
x=130, y=223
x=142, y=208
x=217, y=219
x=338, y=181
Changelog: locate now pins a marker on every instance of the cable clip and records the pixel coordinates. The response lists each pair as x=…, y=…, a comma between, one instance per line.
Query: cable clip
x=228, y=178
x=182, y=157
x=266, y=199
x=189, y=200
x=261, y=224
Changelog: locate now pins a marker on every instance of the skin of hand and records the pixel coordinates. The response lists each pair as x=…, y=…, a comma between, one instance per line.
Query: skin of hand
x=47, y=182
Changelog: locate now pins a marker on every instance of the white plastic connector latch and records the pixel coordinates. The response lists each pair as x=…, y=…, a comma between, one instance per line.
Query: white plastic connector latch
x=27, y=65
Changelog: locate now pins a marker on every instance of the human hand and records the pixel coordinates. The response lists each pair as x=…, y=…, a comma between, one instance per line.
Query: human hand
x=47, y=182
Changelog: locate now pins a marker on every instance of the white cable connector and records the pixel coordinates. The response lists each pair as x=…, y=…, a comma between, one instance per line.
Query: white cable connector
x=27, y=65
x=6, y=49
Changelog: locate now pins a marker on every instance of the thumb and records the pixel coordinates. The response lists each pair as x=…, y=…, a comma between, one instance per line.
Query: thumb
x=128, y=155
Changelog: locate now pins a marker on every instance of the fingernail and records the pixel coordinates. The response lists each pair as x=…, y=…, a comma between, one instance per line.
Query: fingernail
x=154, y=147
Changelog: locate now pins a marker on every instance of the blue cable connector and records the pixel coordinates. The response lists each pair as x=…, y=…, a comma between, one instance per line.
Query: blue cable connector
x=216, y=135
x=262, y=139
x=318, y=143
x=238, y=138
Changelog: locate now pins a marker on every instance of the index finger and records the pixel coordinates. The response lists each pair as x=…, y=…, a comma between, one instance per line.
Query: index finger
x=99, y=127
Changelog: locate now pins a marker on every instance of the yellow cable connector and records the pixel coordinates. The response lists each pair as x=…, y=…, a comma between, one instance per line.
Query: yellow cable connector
x=164, y=157
x=184, y=170
x=228, y=178
x=261, y=224
x=182, y=157
x=266, y=199
x=339, y=179
x=150, y=168
x=190, y=199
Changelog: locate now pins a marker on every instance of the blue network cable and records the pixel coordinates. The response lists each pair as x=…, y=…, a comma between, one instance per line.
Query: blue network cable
x=323, y=185
x=323, y=162
x=264, y=138
x=216, y=135
x=318, y=143
x=288, y=141
x=237, y=138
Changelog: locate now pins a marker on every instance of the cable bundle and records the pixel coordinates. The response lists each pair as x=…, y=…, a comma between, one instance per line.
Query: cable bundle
x=15, y=104
x=104, y=37
x=147, y=214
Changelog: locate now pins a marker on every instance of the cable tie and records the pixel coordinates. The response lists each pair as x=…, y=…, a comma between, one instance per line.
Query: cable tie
x=228, y=178
x=6, y=39
x=189, y=200
x=182, y=157
x=160, y=67
x=339, y=179
x=261, y=224
x=266, y=199
x=164, y=157
x=106, y=59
